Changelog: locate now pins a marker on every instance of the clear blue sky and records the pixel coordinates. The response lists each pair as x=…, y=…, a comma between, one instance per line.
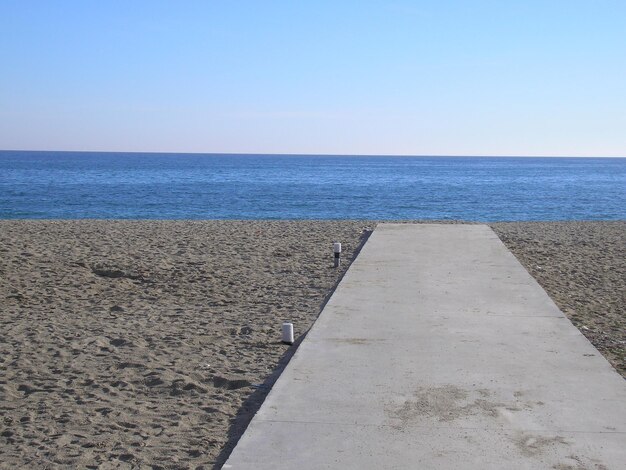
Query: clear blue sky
x=496, y=77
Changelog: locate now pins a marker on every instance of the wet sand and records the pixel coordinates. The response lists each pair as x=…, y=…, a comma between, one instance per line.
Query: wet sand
x=127, y=343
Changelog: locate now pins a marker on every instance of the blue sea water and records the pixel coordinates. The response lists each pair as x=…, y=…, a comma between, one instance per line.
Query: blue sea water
x=69, y=185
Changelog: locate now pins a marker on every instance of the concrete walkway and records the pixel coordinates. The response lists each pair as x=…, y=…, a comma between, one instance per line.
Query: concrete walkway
x=439, y=351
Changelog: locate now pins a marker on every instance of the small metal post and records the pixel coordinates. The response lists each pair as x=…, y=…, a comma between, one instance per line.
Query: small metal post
x=337, y=250
x=287, y=333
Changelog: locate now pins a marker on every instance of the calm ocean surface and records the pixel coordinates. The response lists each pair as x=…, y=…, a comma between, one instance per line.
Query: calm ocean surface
x=61, y=185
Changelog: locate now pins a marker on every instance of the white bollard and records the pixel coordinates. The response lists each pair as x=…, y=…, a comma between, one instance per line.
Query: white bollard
x=337, y=250
x=287, y=333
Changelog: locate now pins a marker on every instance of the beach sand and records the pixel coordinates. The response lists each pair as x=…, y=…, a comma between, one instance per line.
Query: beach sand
x=582, y=266
x=127, y=343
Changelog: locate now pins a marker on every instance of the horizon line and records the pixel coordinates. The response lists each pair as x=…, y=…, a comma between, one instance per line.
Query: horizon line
x=285, y=154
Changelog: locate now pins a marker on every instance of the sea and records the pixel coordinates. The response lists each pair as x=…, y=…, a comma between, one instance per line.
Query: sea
x=78, y=185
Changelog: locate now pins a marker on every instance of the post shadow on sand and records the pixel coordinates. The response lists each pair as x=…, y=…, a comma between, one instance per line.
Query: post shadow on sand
x=254, y=401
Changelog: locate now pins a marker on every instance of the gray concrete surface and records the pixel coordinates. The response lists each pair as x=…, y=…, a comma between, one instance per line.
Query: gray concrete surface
x=439, y=351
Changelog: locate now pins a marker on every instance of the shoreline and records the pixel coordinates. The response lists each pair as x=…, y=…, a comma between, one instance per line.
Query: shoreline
x=143, y=342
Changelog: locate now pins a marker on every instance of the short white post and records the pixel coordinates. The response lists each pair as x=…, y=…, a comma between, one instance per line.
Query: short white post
x=337, y=250
x=287, y=333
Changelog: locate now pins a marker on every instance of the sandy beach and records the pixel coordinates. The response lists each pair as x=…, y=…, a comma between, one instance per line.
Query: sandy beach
x=126, y=344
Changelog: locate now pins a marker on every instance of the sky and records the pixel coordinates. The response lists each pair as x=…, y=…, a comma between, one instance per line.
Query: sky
x=499, y=77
